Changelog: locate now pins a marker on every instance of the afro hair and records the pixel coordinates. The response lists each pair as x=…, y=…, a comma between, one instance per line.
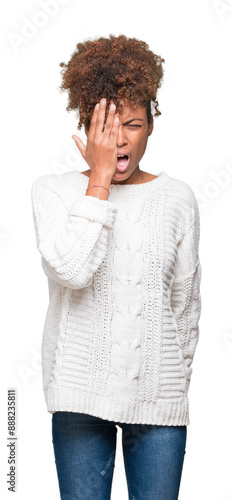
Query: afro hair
x=121, y=69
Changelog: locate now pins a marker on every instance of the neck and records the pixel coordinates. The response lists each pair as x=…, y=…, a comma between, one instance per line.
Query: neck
x=137, y=177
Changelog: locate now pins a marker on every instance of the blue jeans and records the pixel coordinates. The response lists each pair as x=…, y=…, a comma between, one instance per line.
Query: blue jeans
x=85, y=447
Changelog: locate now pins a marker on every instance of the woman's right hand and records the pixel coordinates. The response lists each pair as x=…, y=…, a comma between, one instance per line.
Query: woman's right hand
x=100, y=153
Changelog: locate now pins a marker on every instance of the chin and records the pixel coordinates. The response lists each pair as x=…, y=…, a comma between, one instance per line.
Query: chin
x=121, y=176
x=125, y=174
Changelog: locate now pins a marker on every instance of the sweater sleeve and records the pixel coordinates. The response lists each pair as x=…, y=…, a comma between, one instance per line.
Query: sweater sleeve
x=185, y=294
x=71, y=240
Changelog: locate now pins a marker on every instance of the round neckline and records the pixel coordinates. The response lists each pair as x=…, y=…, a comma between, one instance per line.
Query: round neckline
x=125, y=190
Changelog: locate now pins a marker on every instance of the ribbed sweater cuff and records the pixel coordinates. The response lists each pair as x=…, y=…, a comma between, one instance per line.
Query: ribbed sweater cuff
x=92, y=208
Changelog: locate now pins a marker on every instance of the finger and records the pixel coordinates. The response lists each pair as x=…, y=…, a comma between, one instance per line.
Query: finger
x=93, y=121
x=114, y=131
x=80, y=145
x=100, y=118
x=109, y=121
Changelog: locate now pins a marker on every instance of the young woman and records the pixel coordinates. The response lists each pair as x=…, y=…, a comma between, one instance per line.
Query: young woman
x=119, y=247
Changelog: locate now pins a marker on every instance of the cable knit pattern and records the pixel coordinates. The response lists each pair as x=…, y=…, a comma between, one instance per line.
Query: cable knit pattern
x=124, y=275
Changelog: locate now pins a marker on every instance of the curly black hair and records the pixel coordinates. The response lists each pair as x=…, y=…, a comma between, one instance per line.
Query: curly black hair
x=117, y=68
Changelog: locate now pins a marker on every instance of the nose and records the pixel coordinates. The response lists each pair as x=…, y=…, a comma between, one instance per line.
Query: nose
x=121, y=139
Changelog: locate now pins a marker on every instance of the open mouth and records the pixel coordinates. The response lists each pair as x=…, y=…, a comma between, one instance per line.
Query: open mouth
x=122, y=162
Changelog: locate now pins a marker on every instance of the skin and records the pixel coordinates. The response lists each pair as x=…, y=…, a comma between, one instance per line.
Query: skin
x=131, y=138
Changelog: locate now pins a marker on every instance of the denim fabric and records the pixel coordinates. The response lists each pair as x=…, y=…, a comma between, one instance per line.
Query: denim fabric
x=85, y=448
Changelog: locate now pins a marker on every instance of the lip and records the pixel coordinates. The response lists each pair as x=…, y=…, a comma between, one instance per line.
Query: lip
x=123, y=153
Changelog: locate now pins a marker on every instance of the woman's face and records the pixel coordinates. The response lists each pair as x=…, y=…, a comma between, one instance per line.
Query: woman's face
x=132, y=140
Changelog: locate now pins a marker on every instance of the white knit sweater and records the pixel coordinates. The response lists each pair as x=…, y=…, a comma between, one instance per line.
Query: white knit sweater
x=124, y=276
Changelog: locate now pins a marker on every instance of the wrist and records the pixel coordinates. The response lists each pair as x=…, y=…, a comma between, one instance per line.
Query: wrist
x=99, y=184
x=100, y=178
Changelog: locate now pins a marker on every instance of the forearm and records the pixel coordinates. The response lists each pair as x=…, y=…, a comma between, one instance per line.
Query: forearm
x=72, y=241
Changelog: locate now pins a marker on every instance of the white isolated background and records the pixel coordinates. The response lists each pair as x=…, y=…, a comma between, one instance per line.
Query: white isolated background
x=191, y=141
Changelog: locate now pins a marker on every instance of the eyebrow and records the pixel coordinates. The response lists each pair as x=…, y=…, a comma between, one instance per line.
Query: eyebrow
x=133, y=119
